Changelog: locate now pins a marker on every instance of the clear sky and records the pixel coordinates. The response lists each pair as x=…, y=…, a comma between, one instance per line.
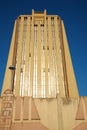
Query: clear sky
x=74, y=14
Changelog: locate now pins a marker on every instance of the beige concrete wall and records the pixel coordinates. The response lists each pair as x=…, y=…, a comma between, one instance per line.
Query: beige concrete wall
x=53, y=114
x=58, y=113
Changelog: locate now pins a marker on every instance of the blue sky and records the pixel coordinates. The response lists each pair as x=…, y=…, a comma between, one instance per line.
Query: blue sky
x=74, y=14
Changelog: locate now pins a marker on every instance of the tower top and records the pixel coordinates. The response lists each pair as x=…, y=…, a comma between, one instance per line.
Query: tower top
x=38, y=12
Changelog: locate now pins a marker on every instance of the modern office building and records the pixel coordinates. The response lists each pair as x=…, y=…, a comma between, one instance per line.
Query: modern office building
x=39, y=90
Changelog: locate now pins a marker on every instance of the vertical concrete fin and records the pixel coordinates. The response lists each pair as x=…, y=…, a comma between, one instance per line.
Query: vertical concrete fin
x=18, y=108
x=34, y=112
x=26, y=108
x=80, y=111
x=70, y=77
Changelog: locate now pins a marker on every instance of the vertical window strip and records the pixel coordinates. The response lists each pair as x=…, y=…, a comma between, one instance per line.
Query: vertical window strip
x=53, y=54
x=35, y=34
x=56, y=70
x=56, y=75
x=35, y=74
x=53, y=85
x=22, y=85
x=29, y=61
x=47, y=28
x=35, y=63
x=17, y=40
x=42, y=34
x=49, y=77
x=28, y=79
x=30, y=28
x=56, y=89
x=42, y=64
x=21, y=82
x=34, y=77
x=42, y=71
x=24, y=46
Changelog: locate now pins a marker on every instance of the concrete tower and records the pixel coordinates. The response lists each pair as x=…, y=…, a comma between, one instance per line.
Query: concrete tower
x=39, y=90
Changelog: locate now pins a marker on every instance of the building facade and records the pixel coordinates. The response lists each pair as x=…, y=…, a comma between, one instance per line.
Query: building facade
x=39, y=90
